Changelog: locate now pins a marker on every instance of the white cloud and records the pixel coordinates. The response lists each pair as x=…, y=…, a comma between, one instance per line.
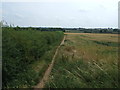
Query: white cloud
x=19, y=15
x=0, y=14
x=58, y=0
x=65, y=13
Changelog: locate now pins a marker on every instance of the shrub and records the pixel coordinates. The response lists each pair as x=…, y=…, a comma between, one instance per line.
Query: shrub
x=21, y=48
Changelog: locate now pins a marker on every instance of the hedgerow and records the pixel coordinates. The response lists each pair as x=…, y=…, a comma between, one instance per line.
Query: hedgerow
x=20, y=49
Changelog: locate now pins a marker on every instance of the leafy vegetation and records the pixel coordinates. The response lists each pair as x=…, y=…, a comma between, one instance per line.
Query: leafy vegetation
x=86, y=61
x=26, y=55
x=93, y=30
x=75, y=30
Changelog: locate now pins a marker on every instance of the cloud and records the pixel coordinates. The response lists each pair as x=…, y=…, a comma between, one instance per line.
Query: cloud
x=85, y=13
x=0, y=14
x=102, y=7
x=39, y=0
x=83, y=10
x=19, y=15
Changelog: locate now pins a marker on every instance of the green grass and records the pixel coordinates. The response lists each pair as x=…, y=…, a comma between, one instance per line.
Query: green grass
x=93, y=65
x=26, y=55
x=114, y=44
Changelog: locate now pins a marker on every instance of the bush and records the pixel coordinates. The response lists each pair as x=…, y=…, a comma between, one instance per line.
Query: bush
x=22, y=48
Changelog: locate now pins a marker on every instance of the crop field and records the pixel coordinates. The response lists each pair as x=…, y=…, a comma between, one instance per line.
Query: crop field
x=86, y=61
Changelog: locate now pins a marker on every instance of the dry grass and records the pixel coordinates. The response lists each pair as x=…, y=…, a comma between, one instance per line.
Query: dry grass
x=86, y=60
x=99, y=37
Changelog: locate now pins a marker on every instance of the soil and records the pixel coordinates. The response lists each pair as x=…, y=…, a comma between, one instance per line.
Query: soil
x=42, y=82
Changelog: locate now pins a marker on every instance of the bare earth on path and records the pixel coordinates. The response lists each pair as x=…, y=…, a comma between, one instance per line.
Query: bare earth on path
x=47, y=72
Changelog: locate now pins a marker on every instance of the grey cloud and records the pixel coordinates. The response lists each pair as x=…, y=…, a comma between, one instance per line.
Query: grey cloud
x=61, y=14
x=19, y=15
x=83, y=10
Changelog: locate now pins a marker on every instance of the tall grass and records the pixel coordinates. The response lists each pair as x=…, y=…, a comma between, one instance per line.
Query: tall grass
x=26, y=55
x=93, y=65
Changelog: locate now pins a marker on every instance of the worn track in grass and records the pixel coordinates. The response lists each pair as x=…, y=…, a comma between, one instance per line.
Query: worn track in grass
x=47, y=72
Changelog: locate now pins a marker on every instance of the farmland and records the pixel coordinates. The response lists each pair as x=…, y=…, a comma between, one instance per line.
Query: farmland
x=47, y=44
x=86, y=61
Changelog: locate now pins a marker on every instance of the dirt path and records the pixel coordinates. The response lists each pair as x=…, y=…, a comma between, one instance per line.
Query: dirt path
x=47, y=72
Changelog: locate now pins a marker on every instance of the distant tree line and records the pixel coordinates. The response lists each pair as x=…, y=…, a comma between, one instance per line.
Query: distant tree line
x=39, y=28
x=95, y=30
x=72, y=30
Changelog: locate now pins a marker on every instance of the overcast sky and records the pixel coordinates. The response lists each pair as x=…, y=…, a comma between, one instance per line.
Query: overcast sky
x=61, y=13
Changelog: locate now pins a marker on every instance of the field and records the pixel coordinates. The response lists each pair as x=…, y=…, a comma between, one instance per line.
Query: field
x=83, y=60
x=86, y=61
